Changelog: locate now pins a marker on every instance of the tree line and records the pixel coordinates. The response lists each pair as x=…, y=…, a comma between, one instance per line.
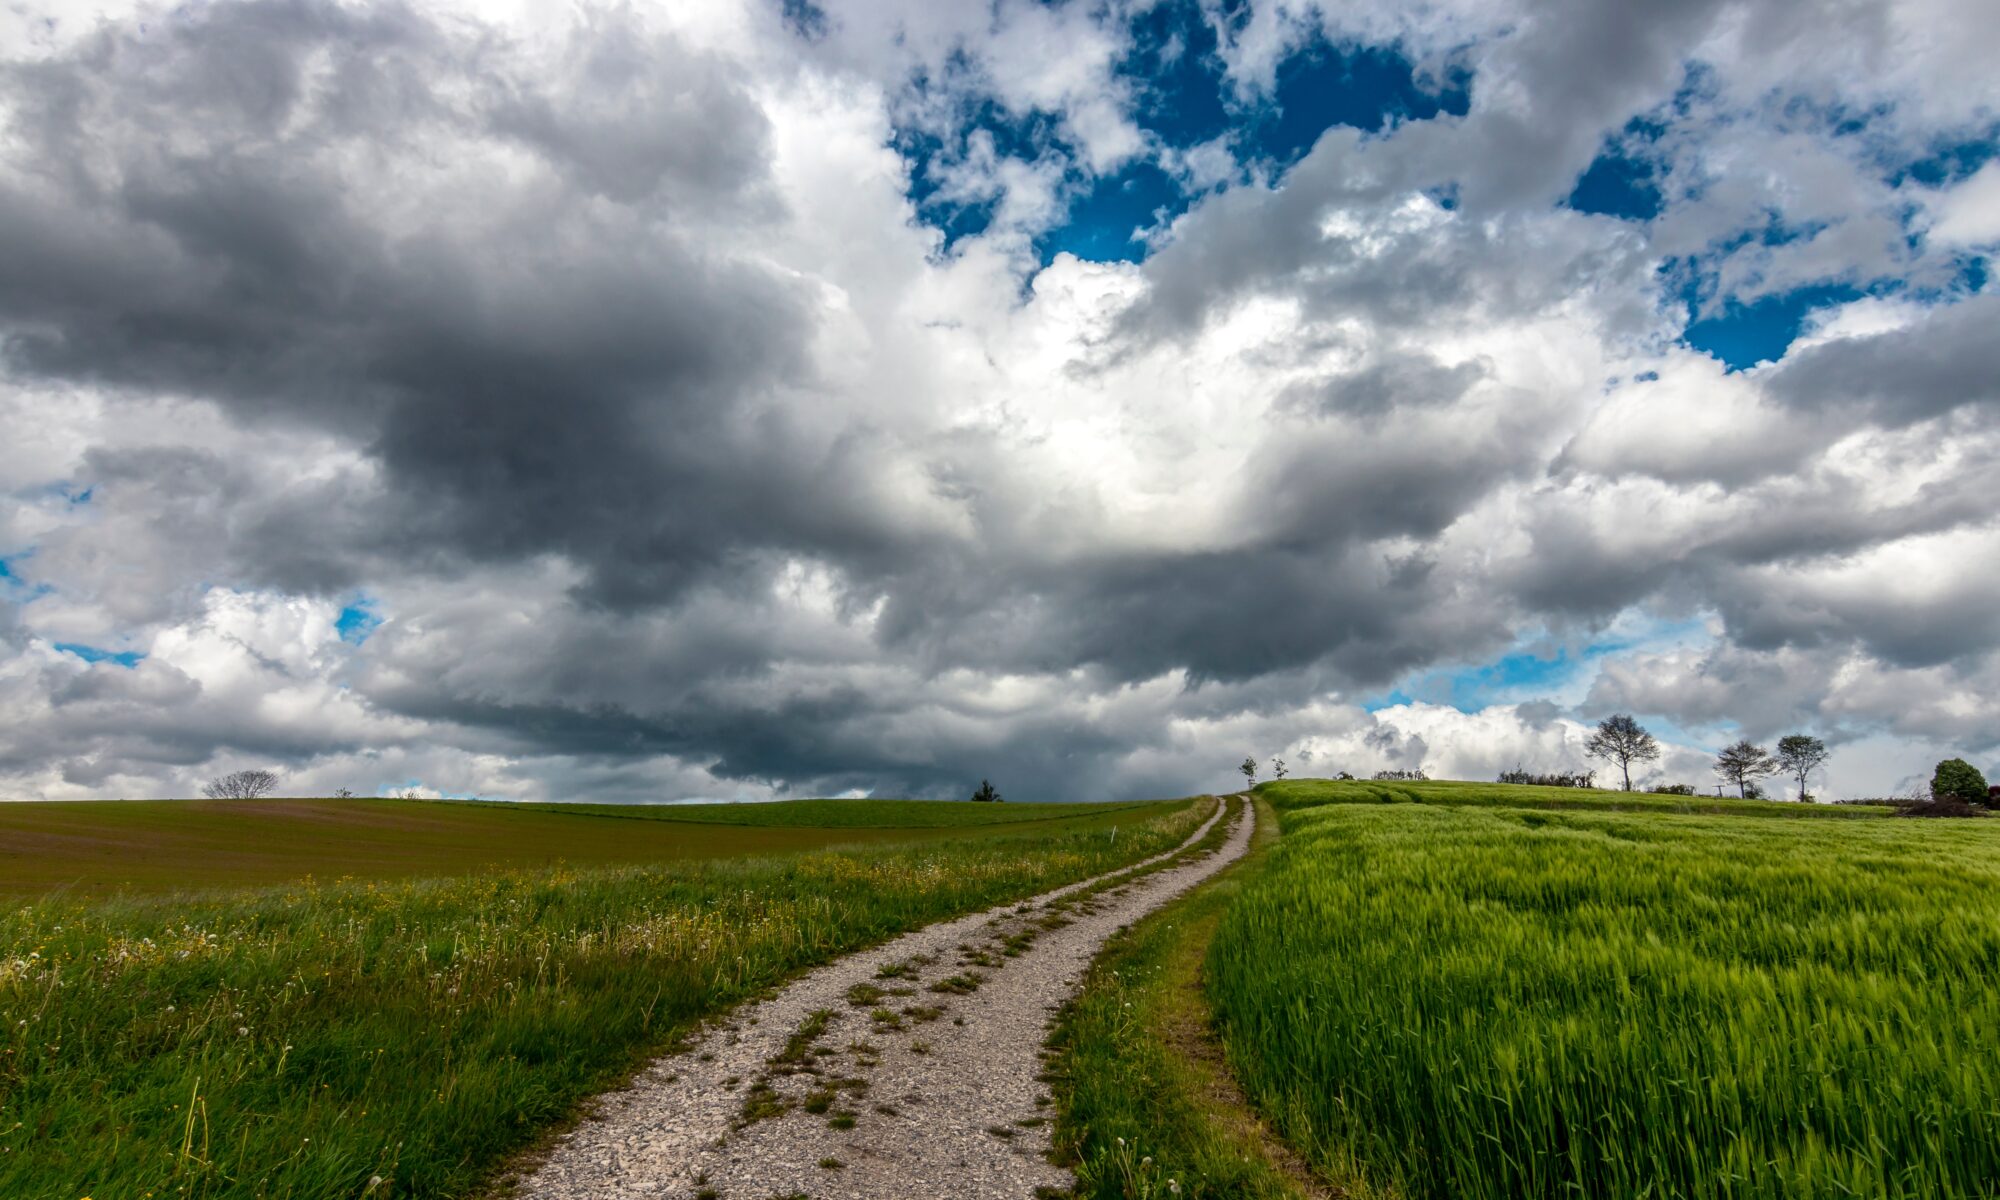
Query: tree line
x=1621, y=742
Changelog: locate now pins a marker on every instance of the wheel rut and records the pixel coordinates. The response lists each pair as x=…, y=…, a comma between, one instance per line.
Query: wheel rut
x=910, y=1069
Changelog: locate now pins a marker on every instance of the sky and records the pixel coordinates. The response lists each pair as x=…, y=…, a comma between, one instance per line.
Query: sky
x=773, y=397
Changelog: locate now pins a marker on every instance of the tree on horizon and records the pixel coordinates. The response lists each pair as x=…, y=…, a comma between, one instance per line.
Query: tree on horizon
x=1799, y=755
x=1620, y=739
x=1743, y=764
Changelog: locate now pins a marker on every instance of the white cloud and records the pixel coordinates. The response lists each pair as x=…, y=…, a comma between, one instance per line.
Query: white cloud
x=1969, y=213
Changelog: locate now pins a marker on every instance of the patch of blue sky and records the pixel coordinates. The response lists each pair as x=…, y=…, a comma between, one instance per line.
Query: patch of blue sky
x=1185, y=98
x=1182, y=99
x=94, y=654
x=1540, y=667
x=933, y=158
x=356, y=622
x=1109, y=221
x=1744, y=335
x=1545, y=674
x=1624, y=180
x=1368, y=88
x=1619, y=184
x=1949, y=160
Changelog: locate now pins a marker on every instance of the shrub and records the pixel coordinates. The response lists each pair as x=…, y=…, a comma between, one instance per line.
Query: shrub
x=1401, y=776
x=1561, y=779
x=1673, y=789
x=1956, y=777
x=244, y=785
x=1943, y=806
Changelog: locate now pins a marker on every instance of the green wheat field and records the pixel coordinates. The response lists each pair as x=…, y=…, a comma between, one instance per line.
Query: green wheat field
x=1435, y=991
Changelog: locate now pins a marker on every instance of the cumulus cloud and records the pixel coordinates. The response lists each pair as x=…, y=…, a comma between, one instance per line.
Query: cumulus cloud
x=635, y=370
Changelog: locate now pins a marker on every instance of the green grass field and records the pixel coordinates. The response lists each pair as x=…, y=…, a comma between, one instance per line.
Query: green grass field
x=134, y=846
x=1467, y=997
x=401, y=1038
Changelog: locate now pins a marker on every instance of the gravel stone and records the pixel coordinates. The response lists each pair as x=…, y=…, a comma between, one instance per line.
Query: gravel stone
x=940, y=1120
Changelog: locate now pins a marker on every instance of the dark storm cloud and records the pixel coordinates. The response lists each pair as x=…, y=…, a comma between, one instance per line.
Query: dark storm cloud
x=1949, y=360
x=535, y=373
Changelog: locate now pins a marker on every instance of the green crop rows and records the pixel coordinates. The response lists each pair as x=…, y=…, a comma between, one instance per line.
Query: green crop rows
x=1476, y=1001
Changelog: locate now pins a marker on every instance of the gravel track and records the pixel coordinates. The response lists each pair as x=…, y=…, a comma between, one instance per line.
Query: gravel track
x=909, y=1070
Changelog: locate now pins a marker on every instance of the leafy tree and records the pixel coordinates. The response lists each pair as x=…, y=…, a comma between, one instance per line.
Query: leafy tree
x=1249, y=769
x=1799, y=755
x=1278, y=768
x=1956, y=777
x=1621, y=740
x=240, y=785
x=986, y=794
x=1743, y=764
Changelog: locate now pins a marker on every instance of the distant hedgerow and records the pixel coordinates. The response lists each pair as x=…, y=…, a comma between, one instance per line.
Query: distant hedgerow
x=1562, y=779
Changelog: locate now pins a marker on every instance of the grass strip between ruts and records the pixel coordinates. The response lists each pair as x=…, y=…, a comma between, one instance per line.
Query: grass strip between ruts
x=1145, y=1103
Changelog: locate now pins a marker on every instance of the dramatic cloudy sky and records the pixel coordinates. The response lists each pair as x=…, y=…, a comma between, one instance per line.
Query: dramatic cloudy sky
x=737, y=398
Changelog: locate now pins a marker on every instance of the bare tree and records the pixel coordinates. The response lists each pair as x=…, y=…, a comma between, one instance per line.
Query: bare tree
x=1743, y=764
x=240, y=785
x=1249, y=769
x=1278, y=768
x=343, y=793
x=1799, y=755
x=1621, y=740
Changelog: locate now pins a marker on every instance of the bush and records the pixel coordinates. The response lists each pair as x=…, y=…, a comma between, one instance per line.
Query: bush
x=1562, y=779
x=1943, y=806
x=1401, y=776
x=252, y=785
x=1672, y=789
x=1956, y=777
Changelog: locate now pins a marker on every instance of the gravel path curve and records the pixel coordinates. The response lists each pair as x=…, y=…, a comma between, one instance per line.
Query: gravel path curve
x=909, y=1070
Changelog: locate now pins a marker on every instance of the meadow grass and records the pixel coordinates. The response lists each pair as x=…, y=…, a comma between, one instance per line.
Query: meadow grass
x=401, y=1039
x=1145, y=1107
x=1305, y=793
x=99, y=848
x=1485, y=1002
